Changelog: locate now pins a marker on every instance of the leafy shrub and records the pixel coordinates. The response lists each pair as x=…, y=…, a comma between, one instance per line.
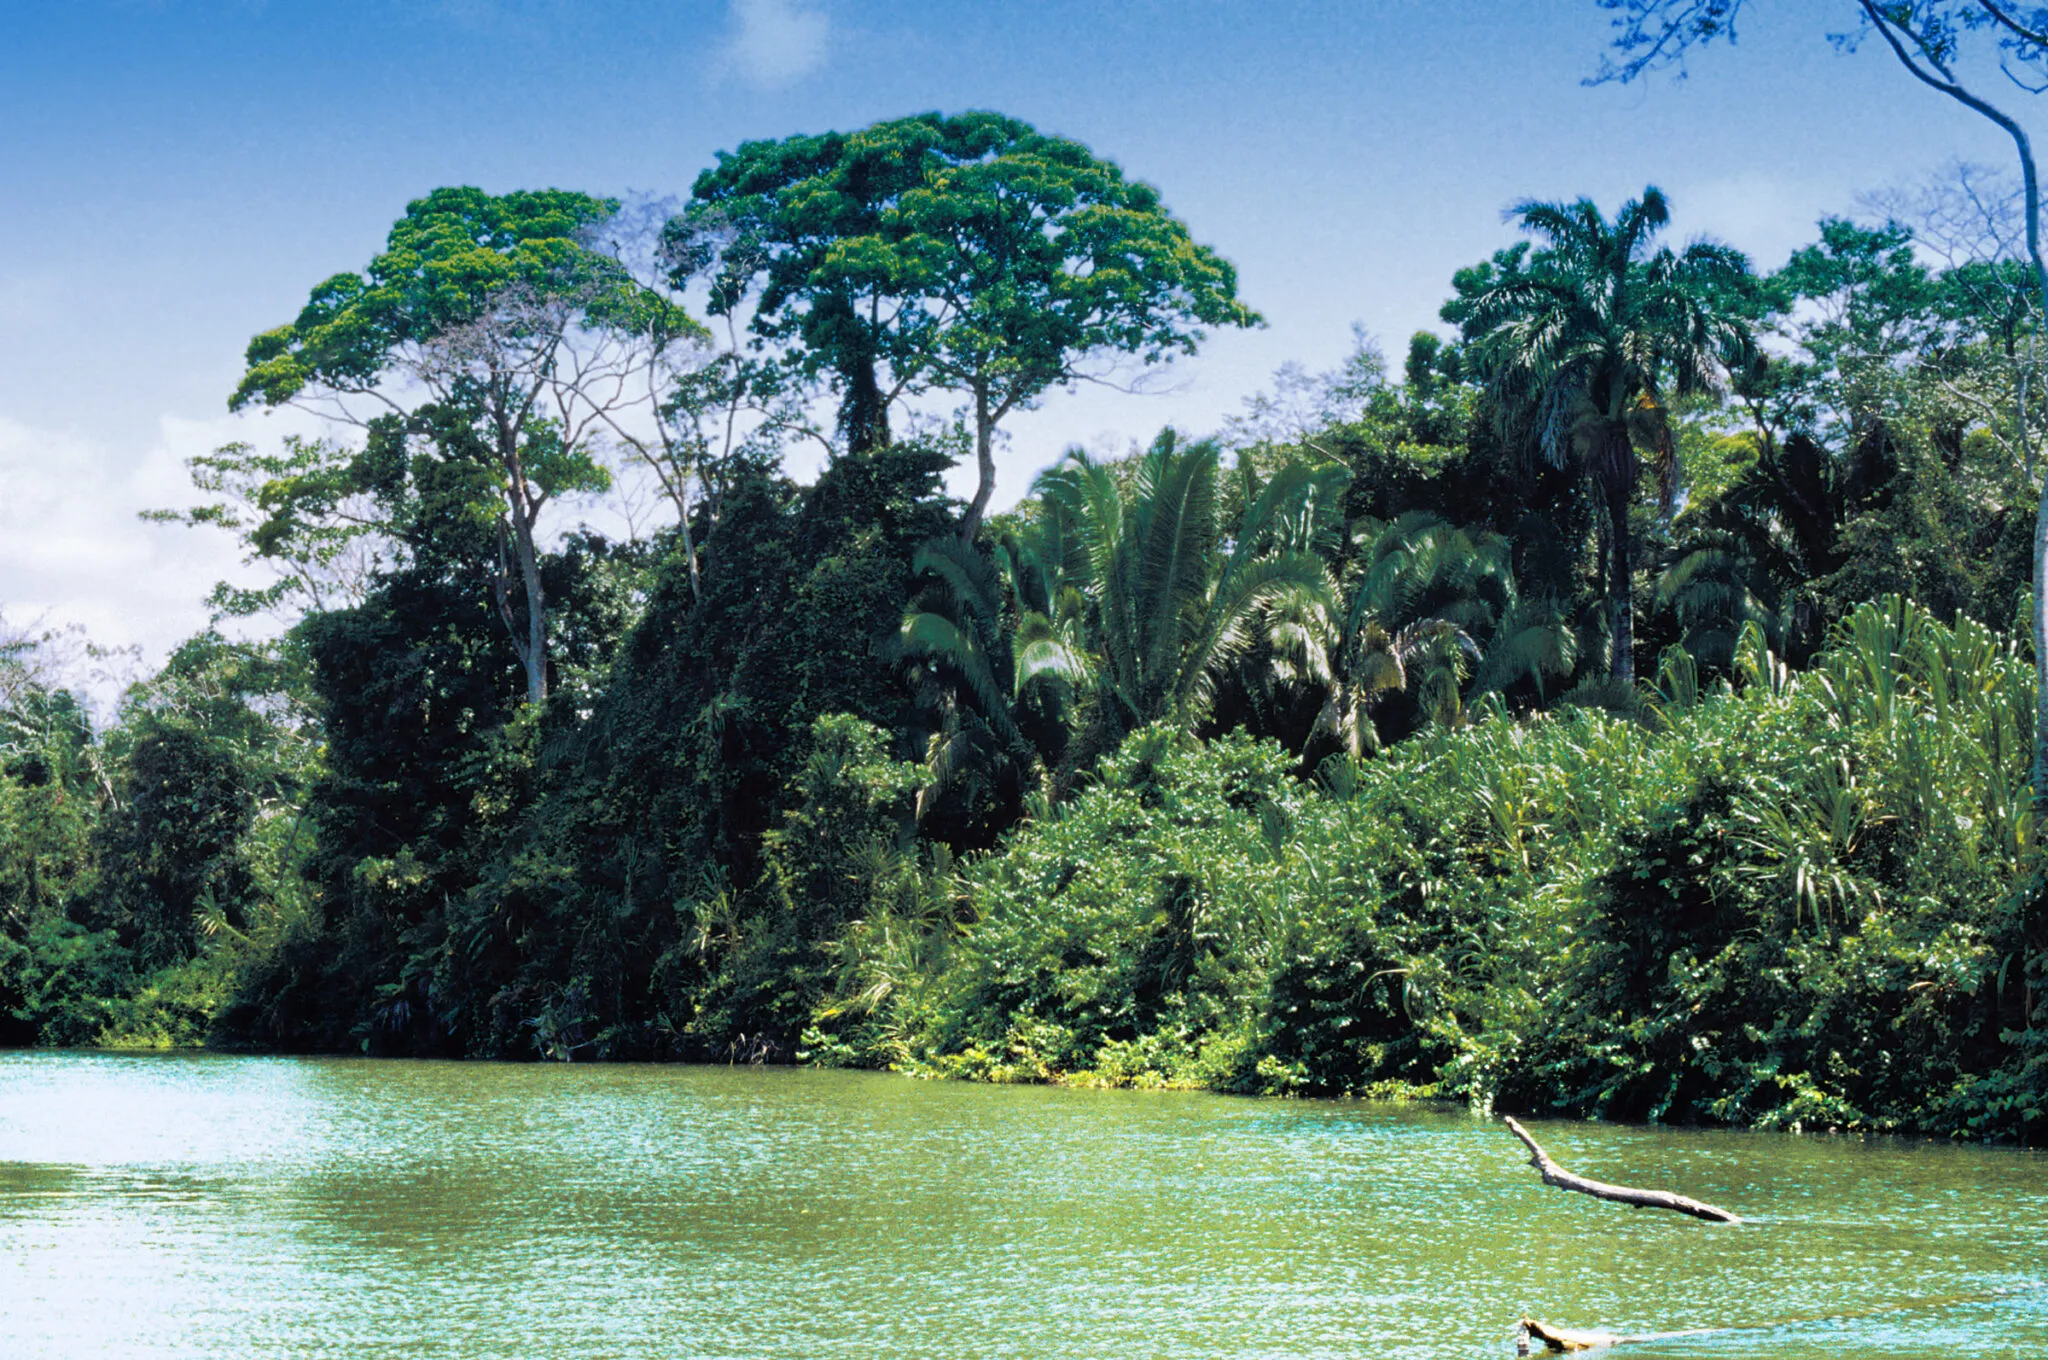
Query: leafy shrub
x=1794, y=900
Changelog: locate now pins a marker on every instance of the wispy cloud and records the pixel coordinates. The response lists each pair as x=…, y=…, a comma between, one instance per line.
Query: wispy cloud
x=772, y=43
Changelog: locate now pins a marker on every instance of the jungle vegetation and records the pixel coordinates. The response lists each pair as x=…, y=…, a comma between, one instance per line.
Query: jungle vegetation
x=1623, y=705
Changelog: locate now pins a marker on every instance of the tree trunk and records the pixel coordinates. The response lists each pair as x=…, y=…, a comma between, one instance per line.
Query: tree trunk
x=863, y=419
x=2040, y=611
x=530, y=637
x=1553, y=1174
x=534, y=655
x=985, y=466
x=1617, y=479
x=863, y=414
x=2040, y=639
x=690, y=555
x=515, y=532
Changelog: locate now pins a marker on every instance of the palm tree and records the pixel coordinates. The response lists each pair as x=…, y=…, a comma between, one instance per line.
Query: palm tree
x=1171, y=597
x=1585, y=344
x=1424, y=595
x=1758, y=553
x=1292, y=502
x=999, y=663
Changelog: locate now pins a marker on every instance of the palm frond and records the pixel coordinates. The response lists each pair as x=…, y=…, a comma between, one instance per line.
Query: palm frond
x=1045, y=653
x=1534, y=641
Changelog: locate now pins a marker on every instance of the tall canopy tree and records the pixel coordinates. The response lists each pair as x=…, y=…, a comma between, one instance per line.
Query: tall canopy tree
x=1584, y=343
x=972, y=254
x=489, y=328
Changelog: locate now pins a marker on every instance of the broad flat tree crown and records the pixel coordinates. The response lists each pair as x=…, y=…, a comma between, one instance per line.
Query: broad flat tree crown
x=455, y=256
x=972, y=254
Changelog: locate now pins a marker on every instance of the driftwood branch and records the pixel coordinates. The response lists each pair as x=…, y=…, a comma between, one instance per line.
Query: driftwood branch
x=1553, y=1174
x=1562, y=1338
x=1530, y=1331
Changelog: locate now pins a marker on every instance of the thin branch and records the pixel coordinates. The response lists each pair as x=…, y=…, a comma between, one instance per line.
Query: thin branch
x=1941, y=81
x=2026, y=34
x=1697, y=20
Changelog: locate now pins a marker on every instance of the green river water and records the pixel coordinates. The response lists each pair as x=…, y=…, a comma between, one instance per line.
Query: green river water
x=212, y=1207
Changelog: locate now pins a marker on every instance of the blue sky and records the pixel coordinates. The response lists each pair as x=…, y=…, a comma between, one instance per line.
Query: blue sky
x=180, y=172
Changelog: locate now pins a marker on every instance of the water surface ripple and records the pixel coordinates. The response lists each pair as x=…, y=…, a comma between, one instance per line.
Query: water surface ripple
x=205, y=1206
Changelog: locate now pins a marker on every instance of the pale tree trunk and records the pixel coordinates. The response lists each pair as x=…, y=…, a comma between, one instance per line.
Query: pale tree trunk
x=2031, y=188
x=2040, y=612
x=522, y=511
x=690, y=557
x=529, y=636
x=984, y=462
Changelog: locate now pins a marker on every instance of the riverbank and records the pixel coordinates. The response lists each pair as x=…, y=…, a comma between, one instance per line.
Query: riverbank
x=1797, y=900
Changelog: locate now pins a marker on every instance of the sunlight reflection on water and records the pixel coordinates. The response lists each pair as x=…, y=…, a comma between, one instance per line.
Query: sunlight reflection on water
x=216, y=1207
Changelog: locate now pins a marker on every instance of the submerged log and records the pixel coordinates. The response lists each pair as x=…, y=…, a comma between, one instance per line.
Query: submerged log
x=1553, y=1174
x=1561, y=1338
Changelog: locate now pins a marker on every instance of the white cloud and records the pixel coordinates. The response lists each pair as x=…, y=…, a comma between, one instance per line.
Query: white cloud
x=774, y=42
x=73, y=552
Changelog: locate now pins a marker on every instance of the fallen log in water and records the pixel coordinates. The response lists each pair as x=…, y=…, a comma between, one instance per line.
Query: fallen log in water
x=1561, y=1338
x=1553, y=1174
x=1577, y=1339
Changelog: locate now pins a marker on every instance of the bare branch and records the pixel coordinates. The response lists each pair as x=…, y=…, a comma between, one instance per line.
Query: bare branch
x=1653, y=34
x=1553, y=1174
x=2006, y=20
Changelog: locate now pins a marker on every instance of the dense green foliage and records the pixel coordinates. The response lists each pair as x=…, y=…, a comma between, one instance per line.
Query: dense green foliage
x=1312, y=758
x=143, y=873
x=1785, y=900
